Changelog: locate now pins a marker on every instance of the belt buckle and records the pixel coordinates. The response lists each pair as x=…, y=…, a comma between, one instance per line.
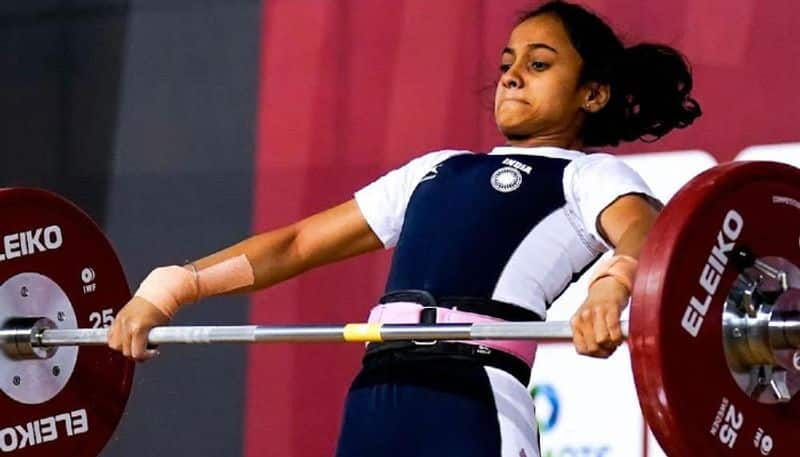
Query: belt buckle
x=421, y=314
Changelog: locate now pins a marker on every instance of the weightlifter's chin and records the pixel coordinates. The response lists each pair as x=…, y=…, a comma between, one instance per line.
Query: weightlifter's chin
x=514, y=119
x=515, y=132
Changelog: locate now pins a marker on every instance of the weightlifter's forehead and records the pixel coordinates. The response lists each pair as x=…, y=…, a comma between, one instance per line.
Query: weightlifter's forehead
x=543, y=33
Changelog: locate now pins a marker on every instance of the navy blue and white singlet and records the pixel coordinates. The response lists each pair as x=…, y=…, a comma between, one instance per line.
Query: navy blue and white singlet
x=514, y=226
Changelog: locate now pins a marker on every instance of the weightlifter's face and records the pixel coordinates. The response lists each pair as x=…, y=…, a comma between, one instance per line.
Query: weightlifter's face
x=538, y=94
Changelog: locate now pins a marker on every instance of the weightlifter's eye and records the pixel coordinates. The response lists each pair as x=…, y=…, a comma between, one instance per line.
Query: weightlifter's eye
x=537, y=65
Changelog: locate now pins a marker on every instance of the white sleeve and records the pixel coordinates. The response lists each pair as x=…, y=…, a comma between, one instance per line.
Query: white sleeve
x=383, y=202
x=595, y=181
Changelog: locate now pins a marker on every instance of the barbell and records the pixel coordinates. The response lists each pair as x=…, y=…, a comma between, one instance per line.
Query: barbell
x=714, y=331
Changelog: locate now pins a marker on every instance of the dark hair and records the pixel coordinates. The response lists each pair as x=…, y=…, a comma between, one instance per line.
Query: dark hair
x=650, y=83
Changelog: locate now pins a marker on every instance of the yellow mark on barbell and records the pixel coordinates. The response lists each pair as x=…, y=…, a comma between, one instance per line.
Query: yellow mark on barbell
x=364, y=333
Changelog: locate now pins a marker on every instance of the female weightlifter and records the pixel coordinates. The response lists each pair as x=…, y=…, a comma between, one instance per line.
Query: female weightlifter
x=477, y=238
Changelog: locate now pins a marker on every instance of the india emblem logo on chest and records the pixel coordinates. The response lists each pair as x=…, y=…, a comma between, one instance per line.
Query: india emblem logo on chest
x=509, y=178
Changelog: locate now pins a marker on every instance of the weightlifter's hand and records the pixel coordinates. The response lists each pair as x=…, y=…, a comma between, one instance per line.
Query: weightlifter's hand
x=129, y=332
x=596, y=330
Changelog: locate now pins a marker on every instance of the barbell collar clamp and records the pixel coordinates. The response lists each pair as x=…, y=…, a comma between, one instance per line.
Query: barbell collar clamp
x=20, y=338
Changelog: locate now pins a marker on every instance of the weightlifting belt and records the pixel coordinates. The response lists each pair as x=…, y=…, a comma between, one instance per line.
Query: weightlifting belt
x=414, y=313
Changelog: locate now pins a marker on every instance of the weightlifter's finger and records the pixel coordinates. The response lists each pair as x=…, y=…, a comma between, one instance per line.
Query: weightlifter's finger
x=614, y=328
x=577, y=335
x=111, y=339
x=115, y=336
x=126, y=343
x=586, y=328
x=600, y=327
x=612, y=331
x=139, y=351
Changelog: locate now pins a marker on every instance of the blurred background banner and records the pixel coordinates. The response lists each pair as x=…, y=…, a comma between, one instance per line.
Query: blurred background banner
x=185, y=125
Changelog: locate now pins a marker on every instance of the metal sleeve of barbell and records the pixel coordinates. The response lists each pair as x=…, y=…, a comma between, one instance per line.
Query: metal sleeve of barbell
x=784, y=330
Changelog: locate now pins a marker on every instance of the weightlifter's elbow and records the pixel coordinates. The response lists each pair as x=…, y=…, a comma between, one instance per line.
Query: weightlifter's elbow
x=300, y=251
x=275, y=256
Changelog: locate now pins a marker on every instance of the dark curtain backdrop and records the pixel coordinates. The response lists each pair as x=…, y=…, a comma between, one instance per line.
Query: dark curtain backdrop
x=143, y=113
x=350, y=89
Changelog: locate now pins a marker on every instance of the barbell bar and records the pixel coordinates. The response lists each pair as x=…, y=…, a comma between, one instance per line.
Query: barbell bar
x=784, y=331
x=354, y=332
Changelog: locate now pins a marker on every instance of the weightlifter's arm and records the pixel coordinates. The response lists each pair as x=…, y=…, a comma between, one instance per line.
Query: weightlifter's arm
x=255, y=263
x=335, y=234
x=596, y=324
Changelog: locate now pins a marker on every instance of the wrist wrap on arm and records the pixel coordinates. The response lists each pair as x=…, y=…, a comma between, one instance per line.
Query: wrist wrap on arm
x=168, y=288
x=620, y=267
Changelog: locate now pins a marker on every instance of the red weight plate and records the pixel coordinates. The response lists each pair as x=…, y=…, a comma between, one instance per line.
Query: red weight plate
x=687, y=393
x=55, y=261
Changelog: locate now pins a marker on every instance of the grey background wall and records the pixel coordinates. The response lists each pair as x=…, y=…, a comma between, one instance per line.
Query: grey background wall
x=143, y=113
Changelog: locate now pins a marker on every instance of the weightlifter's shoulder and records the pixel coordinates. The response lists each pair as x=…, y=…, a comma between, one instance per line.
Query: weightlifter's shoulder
x=594, y=181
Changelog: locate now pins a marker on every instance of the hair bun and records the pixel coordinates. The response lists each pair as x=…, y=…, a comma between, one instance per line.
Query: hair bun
x=656, y=81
